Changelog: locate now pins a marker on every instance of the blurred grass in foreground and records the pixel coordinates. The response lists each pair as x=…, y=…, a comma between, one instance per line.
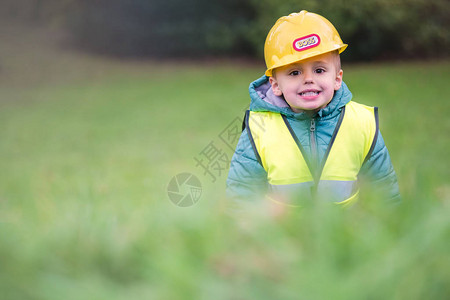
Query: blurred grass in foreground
x=86, y=156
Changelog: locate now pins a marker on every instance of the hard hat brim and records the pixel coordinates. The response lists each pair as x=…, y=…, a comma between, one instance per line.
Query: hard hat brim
x=287, y=60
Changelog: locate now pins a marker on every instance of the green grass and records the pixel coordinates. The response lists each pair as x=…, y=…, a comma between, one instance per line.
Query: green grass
x=89, y=145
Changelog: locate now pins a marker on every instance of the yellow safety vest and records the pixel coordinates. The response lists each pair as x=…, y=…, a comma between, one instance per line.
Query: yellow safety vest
x=289, y=171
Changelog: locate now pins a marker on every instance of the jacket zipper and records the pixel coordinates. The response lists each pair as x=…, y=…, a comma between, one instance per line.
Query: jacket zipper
x=313, y=143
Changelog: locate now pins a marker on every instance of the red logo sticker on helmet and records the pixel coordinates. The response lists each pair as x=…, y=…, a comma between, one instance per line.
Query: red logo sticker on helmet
x=306, y=42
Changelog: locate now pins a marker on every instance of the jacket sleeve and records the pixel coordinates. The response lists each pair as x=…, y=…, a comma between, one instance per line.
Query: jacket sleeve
x=380, y=173
x=247, y=178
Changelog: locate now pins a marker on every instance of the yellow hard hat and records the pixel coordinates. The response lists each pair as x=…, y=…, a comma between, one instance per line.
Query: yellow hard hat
x=299, y=36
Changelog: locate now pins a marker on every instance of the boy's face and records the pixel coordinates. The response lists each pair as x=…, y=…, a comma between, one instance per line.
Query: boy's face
x=308, y=85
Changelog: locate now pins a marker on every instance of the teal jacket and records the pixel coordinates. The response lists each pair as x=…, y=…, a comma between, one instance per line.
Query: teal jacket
x=247, y=178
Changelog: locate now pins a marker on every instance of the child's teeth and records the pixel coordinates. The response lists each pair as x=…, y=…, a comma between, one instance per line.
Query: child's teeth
x=310, y=94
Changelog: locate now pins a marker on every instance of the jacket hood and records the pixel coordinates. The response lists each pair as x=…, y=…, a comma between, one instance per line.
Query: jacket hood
x=263, y=99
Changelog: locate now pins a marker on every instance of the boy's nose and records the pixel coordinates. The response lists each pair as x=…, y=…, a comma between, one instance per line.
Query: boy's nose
x=308, y=78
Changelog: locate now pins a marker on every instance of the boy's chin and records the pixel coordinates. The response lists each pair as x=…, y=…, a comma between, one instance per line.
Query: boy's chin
x=308, y=110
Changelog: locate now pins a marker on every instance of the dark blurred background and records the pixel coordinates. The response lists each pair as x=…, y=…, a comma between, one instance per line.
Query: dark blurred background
x=375, y=29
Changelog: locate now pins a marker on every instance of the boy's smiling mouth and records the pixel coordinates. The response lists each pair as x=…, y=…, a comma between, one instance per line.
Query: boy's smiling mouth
x=309, y=93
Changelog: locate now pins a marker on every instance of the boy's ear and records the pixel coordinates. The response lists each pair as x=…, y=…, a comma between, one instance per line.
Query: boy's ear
x=275, y=87
x=338, y=81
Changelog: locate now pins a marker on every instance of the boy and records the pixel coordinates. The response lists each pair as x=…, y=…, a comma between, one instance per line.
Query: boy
x=303, y=137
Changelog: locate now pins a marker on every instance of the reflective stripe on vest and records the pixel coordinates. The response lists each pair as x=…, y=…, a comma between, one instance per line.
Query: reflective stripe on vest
x=287, y=164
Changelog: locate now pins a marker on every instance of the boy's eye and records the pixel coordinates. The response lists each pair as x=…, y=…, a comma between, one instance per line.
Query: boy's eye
x=320, y=70
x=294, y=73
